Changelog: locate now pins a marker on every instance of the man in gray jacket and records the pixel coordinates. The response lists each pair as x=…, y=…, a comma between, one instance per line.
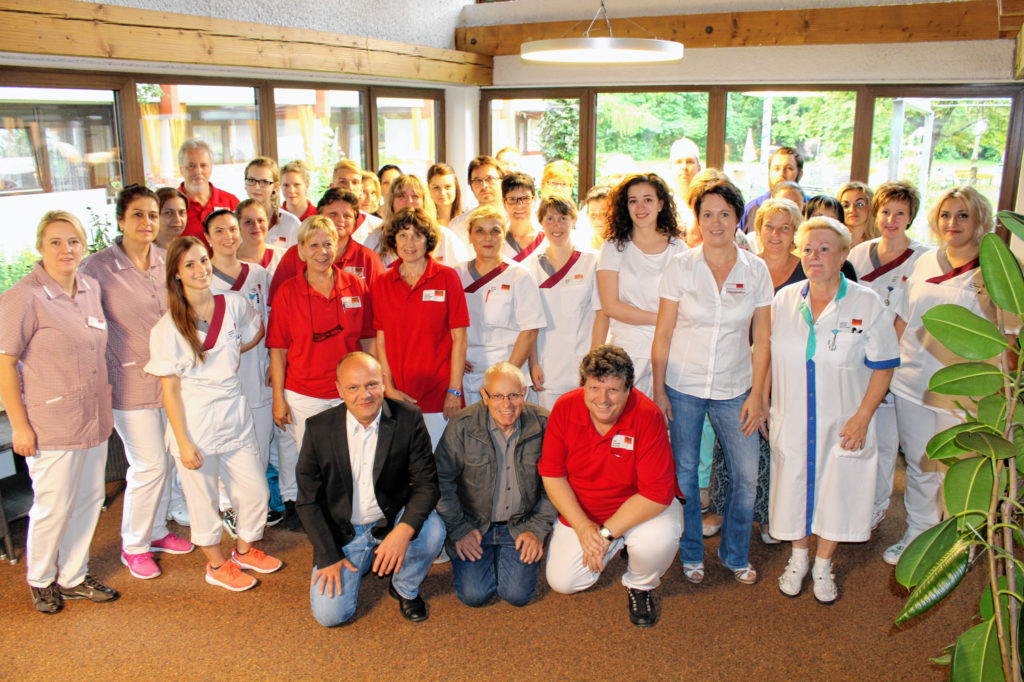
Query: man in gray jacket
x=492, y=499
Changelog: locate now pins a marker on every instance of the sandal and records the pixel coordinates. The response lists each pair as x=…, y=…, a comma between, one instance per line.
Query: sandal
x=746, y=575
x=694, y=572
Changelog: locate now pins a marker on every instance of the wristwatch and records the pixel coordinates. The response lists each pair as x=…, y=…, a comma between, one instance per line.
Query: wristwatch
x=455, y=392
x=606, y=534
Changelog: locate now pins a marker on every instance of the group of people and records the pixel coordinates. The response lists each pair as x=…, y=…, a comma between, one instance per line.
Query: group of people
x=404, y=379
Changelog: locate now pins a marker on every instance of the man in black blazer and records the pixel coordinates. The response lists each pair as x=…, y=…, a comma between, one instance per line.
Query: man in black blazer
x=367, y=492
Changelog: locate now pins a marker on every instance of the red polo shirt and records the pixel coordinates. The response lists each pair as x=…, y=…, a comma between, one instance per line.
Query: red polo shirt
x=299, y=311
x=197, y=212
x=417, y=323
x=605, y=471
x=356, y=259
x=310, y=210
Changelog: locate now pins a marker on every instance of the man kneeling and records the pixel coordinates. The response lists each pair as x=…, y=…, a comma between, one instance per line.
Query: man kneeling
x=492, y=500
x=610, y=441
x=367, y=488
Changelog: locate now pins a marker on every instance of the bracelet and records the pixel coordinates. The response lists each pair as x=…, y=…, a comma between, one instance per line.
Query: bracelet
x=455, y=392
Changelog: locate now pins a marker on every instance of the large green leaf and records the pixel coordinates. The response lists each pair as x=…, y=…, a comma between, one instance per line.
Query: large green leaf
x=976, y=655
x=1003, y=277
x=967, y=378
x=1014, y=222
x=968, y=335
x=988, y=444
x=941, y=579
x=921, y=554
x=943, y=445
x=992, y=411
x=968, y=487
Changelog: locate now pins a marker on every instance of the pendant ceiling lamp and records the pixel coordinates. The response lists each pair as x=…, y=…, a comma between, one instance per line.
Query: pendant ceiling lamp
x=610, y=50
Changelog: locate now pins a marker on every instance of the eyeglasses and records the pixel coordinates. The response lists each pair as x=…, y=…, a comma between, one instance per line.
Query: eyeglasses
x=500, y=397
x=334, y=331
x=489, y=180
x=262, y=183
x=519, y=201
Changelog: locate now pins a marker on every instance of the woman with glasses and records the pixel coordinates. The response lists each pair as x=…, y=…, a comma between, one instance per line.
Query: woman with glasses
x=855, y=198
x=316, y=318
x=262, y=183
x=525, y=235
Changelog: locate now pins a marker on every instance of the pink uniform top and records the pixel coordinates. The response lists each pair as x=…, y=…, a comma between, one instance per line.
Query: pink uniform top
x=61, y=343
x=605, y=471
x=197, y=212
x=133, y=301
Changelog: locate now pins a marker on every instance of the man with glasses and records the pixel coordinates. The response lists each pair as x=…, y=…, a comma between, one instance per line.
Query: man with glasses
x=607, y=467
x=195, y=161
x=485, y=174
x=492, y=501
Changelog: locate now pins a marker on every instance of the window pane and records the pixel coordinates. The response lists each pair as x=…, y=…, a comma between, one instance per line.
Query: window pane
x=58, y=150
x=817, y=124
x=407, y=134
x=321, y=127
x=542, y=130
x=224, y=117
x=635, y=131
x=939, y=142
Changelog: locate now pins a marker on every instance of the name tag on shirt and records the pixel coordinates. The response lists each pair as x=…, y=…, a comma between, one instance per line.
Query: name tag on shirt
x=282, y=240
x=622, y=442
x=505, y=288
x=734, y=288
x=357, y=271
x=434, y=295
x=96, y=322
x=575, y=280
x=351, y=302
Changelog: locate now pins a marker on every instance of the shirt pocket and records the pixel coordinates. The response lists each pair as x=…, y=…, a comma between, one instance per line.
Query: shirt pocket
x=498, y=307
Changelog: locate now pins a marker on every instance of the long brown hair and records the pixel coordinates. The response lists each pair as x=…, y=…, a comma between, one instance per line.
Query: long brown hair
x=181, y=312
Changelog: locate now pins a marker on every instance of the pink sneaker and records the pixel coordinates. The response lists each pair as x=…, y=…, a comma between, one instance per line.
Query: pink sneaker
x=140, y=565
x=171, y=544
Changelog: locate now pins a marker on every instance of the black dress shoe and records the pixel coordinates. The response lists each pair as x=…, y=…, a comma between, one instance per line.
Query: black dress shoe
x=291, y=518
x=47, y=599
x=414, y=609
x=642, y=611
x=90, y=589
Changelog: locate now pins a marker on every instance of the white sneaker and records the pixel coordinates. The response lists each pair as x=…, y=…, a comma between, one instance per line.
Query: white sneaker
x=876, y=519
x=179, y=516
x=893, y=553
x=791, y=582
x=824, y=583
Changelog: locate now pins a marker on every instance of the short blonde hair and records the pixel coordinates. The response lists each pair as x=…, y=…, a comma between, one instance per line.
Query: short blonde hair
x=347, y=164
x=313, y=224
x=978, y=207
x=771, y=207
x=299, y=167
x=559, y=170
x=51, y=217
x=481, y=213
x=823, y=223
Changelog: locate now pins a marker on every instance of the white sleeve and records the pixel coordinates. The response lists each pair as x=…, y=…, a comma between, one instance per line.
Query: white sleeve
x=609, y=258
x=670, y=286
x=529, y=309
x=169, y=354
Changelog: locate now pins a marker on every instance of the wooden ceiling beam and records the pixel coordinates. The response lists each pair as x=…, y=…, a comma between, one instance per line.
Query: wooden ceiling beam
x=928, y=22
x=81, y=29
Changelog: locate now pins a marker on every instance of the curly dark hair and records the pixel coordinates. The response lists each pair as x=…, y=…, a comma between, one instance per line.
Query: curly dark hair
x=415, y=218
x=620, y=224
x=607, y=361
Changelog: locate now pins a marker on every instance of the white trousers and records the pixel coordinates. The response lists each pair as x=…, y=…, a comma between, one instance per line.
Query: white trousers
x=246, y=483
x=263, y=421
x=888, y=441
x=147, y=494
x=302, y=407
x=436, y=424
x=923, y=495
x=67, y=489
x=643, y=376
x=652, y=545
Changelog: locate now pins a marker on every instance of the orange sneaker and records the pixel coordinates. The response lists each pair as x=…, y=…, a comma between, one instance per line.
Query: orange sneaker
x=230, y=577
x=256, y=560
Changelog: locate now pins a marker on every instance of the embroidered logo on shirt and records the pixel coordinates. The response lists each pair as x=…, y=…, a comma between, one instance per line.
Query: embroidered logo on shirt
x=434, y=295
x=622, y=442
x=351, y=302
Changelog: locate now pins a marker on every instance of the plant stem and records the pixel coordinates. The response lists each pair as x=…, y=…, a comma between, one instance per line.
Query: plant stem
x=1008, y=543
x=991, y=541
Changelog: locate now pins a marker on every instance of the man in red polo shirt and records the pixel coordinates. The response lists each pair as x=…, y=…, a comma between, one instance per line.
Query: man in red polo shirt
x=195, y=161
x=607, y=467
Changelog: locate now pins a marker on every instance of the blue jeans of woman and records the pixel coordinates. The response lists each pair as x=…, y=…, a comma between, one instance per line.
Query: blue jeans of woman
x=741, y=453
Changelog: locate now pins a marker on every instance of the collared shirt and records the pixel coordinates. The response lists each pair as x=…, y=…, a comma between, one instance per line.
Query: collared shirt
x=710, y=352
x=366, y=224
x=60, y=342
x=633, y=457
x=508, y=499
x=284, y=229
x=197, y=212
x=133, y=301
x=362, y=447
x=299, y=311
x=355, y=259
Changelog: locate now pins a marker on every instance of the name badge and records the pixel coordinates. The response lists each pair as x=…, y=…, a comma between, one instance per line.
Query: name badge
x=734, y=288
x=622, y=442
x=96, y=322
x=357, y=271
x=575, y=280
x=505, y=288
x=351, y=302
x=434, y=295
x=282, y=240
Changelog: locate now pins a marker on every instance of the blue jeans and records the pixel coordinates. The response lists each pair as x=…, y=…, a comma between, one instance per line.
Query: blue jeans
x=335, y=610
x=499, y=570
x=740, y=460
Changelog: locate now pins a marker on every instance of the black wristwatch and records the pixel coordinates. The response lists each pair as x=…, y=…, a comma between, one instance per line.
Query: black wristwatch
x=606, y=534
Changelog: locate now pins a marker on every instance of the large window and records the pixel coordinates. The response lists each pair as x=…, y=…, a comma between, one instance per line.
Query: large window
x=225, y=117
x=540, y=129
x=407, y=133
x=59, y=149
